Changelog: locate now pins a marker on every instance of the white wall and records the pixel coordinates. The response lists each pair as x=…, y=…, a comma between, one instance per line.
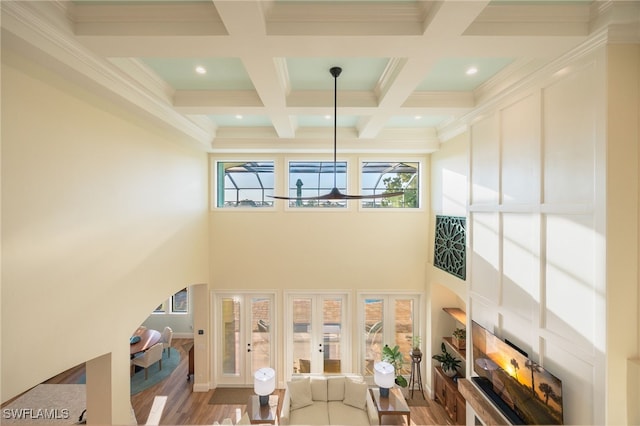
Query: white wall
x=102, y=219
x=537, y=257
x=553, y=220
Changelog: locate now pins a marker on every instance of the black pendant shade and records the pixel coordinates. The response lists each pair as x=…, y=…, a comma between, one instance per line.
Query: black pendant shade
x=335, y=193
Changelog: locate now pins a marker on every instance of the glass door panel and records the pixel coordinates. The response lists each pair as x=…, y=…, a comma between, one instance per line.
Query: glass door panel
x=302, y=316
x=261, y=341
x=373, y=328
x=387, y=320
x=244, y=342
x=332, y=334
x=230, y=336
x=404, y=330
x=316, y=334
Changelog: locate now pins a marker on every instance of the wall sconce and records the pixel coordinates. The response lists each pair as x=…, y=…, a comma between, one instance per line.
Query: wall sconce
x=384, y=376
x=264, y=383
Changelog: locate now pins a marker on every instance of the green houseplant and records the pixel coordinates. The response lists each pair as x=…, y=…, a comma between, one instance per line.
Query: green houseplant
x=394, y=357
x=459, y=338
x=448, y=362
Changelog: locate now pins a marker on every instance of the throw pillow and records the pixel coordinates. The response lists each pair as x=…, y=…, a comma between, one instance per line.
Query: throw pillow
x=300, y=391
x=319, y=388
x=355, y=393
x=335, y=388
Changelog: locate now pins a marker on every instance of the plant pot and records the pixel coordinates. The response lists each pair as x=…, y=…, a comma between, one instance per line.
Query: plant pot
x=449, y=373
x=459, y=343
x=416, y=353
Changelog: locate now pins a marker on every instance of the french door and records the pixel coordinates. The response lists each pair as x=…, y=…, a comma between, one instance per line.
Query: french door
x=317, y=330
x=244, y=341
x=387, y=319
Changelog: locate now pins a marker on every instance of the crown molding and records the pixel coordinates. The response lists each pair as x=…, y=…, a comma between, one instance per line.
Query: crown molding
x=590, y=46
x=56, y=49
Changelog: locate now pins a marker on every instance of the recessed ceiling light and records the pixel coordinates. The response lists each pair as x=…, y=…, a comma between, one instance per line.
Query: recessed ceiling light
x=472, y=70
x=201, y=70
x=418, y=117
x=239, y=117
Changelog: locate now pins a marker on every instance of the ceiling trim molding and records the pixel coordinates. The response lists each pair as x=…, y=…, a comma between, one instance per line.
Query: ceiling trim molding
x=389, y=75
x=145, y=76
x=440, y=99
x=72, y=59
x=597, y=41
x=283, y=74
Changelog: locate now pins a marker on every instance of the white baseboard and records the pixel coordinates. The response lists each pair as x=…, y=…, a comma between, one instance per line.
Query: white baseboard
x=201, y=387
x=183, y=335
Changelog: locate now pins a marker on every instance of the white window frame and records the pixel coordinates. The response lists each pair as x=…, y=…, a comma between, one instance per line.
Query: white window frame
x=214, y=182
x=421, y=182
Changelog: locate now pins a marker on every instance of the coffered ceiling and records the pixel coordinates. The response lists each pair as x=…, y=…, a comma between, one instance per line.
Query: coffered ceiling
x=245, y=75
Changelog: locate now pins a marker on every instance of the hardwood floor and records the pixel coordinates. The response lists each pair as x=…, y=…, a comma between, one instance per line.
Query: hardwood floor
x=185, y=407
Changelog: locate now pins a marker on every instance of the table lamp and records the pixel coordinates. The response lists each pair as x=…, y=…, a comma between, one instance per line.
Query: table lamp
x=384, y=377
x=264, y=383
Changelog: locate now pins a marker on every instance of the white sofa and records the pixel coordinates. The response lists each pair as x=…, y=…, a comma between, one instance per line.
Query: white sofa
x=328, y=400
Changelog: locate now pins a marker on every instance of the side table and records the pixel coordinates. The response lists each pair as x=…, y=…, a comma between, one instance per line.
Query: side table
x=259, y=414
x=393, y=405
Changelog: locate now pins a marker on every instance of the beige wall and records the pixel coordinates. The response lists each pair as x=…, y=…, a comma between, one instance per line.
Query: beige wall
x=350, y=250
x=449, y=192
x=301, y=249
x=623, y=230
x=102, y=219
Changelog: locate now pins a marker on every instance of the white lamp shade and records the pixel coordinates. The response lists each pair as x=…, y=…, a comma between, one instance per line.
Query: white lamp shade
x=264, y=382
x=384, y=374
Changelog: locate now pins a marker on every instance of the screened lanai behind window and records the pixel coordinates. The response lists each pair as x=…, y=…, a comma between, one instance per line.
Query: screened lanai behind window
x=379, y=177
x=315, y=178
x=245, y=184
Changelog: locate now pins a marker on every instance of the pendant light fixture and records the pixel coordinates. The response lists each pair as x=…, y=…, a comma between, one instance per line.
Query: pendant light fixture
x=335, y=193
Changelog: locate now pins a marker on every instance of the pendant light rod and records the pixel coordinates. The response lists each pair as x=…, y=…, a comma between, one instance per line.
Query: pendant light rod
x=335, y=72
x=335, y=193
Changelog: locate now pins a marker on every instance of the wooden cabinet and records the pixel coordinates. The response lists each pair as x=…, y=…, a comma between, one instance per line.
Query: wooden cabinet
x=445, y=389
x=446, y=393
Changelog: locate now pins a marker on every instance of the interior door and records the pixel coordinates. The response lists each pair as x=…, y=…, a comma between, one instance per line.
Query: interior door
x=244, y=338
x=316, y=333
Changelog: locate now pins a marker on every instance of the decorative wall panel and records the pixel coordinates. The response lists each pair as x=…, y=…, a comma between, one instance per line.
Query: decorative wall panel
x=450, y=245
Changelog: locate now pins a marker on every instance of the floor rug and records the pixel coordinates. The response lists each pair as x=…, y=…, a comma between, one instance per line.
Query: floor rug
x=138, y=383
x=417, y=400
x=231, y=396
x=169, y=363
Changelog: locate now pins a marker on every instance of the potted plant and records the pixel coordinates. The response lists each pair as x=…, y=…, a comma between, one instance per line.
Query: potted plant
x=448, y=362
x=415, y=347
x=459, y=338
x=394, y=357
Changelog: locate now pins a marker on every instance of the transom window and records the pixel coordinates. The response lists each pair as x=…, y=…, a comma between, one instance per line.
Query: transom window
x=314, y=178
x=379, y=177
x=244, y=184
